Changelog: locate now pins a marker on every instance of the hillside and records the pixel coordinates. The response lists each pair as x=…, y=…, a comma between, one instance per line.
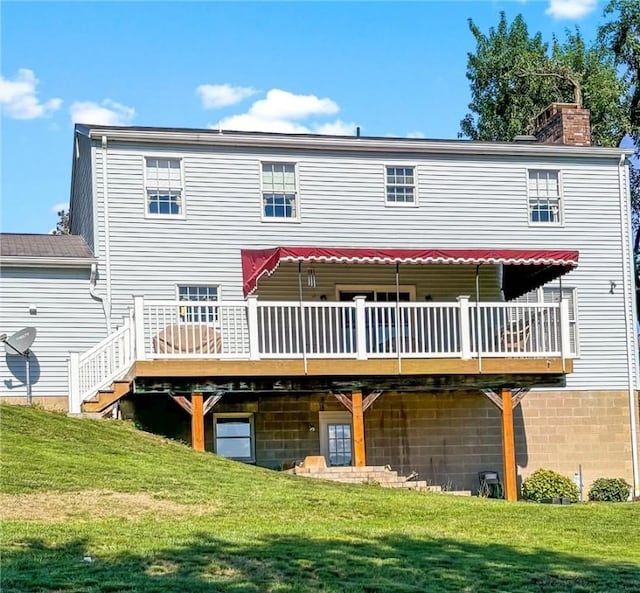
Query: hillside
x=97, y=506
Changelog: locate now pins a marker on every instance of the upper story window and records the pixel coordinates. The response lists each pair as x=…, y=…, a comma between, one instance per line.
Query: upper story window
x=163, y=181
x=279, y=192
x=400, y=186
x=544, y=196
x=198, y=313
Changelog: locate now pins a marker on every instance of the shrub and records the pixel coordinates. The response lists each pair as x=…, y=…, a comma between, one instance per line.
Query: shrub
x=610, y=490
x=544, y=484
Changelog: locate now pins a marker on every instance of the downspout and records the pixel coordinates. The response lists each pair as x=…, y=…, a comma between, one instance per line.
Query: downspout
x=106, y=304
x=629, y=316
x=93, y=277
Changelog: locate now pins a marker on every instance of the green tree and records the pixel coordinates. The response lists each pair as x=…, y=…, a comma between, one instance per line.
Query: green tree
x=62, y=226
x=514, y=76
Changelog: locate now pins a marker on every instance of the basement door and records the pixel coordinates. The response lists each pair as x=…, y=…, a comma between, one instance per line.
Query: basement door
x=336, y=438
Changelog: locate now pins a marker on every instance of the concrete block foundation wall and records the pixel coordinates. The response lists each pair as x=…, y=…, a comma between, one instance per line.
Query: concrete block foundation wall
x=447, y=438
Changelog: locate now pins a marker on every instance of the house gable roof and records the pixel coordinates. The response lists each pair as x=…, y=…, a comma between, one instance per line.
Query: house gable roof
x=17, y=249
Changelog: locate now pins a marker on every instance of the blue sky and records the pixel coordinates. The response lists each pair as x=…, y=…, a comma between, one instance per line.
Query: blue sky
x=392, y=68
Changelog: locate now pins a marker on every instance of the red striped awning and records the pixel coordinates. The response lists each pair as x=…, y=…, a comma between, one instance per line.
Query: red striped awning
x=524, y=269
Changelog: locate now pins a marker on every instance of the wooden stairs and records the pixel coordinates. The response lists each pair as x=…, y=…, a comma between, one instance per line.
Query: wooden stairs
x=106, y=398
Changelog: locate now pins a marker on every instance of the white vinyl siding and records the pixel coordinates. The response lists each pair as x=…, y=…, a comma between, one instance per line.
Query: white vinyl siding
x=545, y=196
x=66, y=319
x=163, y=181
x=465, y=202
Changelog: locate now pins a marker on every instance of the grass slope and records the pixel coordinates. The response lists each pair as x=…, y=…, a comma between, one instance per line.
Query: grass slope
x=97, y=506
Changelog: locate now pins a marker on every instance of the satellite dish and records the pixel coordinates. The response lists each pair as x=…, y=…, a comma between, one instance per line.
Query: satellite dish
x=20, y=342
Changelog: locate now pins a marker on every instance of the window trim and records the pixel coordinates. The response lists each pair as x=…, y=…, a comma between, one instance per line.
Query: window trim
x=415, y=202
x=410, y=288
x=145, y=189
x=252, y=435
x=560, y=222
x=178, y=286
x=276, y=219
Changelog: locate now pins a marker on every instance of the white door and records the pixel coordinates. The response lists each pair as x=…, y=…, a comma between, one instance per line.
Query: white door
x=336, y=438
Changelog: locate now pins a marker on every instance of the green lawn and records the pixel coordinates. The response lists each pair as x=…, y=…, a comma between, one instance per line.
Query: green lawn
x=97, y=506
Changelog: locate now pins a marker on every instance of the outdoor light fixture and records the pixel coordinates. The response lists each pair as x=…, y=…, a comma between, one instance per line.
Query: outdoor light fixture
x=612, y=286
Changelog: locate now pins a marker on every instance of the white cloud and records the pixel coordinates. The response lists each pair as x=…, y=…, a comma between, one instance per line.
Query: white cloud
x=280, y=104
x=570, y=9
x=285, y=112
x=415, y=134
x=18, y=97
x=59, y=206
x=107, y=113
x=223, y=95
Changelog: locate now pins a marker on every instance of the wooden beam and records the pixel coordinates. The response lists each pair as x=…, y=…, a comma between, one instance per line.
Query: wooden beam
x=508, y=447
x=210, y=402
x=183, y=402
x=344, y=400
x=493, y=397
x=518, y=395
x=197, y=421
x=372, y=397
x=360, y=459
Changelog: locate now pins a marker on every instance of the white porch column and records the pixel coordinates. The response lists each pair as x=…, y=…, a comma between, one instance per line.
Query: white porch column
x=75, y=404
x=361, y=328
x=138, y=326
x=465, y=327
x=252, y=320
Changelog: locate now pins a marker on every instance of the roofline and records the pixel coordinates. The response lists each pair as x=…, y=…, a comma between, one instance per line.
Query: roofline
x=232, y=138
x=19, y=261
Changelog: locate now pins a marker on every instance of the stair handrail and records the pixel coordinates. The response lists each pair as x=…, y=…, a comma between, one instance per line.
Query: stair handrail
x=95, y=369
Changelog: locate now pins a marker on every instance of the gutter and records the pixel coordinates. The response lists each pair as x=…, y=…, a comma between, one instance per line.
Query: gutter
x=46, y=262
x=106, y=303
x=630, y=318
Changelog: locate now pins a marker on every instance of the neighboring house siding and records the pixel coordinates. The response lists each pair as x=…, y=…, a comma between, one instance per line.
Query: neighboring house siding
x=462, y=202
x=67, y=319
x=82, y=221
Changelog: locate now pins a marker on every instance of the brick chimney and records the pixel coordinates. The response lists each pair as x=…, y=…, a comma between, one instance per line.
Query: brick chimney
x=563, y=123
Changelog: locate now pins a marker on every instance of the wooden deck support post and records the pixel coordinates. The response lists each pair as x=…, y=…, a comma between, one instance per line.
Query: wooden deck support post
x=357, y=412
x=197, y=421
x=508, y=447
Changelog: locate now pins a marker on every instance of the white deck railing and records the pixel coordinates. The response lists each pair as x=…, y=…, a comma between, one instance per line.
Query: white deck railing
x=257, y=330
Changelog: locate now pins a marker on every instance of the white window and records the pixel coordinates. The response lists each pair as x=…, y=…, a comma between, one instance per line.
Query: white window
x=279, y=192
x=400, y=186
x=233, y=436
x=163, y=181
x=544, y=196
x=551, y=294
x=198, y=313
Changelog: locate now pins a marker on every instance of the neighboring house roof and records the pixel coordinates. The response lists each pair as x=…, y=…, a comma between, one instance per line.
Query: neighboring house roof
x=18, y=249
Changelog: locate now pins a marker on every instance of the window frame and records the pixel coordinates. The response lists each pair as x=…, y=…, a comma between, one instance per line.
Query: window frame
x=213, y=321
x=549, y=223
x=376, y=288
x=277, y=219
x=252, y=434
x=183, y=203
x=573, y=310
x=391, y=204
